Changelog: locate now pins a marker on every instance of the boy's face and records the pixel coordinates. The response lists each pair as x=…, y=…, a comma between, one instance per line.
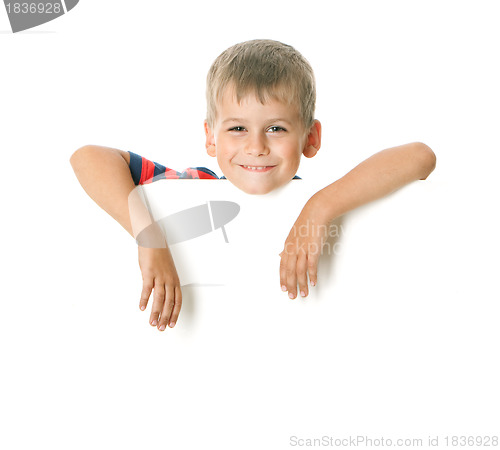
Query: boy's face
x=258, y=147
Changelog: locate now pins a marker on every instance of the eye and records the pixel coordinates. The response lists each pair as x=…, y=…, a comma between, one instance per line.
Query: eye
x=237, y=129
x=275, y=129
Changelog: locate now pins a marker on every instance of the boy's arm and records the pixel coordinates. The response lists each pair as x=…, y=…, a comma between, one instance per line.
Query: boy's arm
x=374, y=178
x=377, y=176
x=104, y=174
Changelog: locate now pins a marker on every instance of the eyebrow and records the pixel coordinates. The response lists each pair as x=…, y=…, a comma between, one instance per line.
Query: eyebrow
x=235, y=119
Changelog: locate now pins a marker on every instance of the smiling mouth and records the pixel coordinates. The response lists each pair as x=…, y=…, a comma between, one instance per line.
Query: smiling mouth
x=257, y=168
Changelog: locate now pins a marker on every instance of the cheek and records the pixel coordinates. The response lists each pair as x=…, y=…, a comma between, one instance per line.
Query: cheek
x=291, y=153
x=224, y=155
x=227, y=147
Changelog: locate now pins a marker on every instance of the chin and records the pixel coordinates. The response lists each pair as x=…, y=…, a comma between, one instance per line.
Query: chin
x=257, y=189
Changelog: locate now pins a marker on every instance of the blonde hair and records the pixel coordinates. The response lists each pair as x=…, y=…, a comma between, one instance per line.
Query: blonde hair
x=269, y=69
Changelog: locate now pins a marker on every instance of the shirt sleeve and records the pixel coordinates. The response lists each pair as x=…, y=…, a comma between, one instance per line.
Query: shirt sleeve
x=144, y=171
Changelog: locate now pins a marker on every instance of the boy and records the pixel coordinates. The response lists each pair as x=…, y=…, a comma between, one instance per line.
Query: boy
x=260, y=121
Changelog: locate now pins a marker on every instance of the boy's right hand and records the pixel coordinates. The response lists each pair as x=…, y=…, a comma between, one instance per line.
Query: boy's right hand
x=159, y=274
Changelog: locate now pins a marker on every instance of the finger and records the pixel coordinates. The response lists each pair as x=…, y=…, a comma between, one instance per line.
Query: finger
x=167, y=307
x=158, y=300
x=283, y=272
x=302, y=275
x=312, y=268
x=177, y=307
x=291, y=276
x=147, y=287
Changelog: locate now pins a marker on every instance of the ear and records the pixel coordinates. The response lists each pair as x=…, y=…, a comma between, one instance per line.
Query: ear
x=313, y=142
x=210, y=139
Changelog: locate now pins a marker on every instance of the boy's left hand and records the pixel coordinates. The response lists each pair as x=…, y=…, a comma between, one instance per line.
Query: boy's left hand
x=302, y=250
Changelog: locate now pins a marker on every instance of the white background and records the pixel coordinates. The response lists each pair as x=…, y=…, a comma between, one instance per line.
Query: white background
x=401, y=357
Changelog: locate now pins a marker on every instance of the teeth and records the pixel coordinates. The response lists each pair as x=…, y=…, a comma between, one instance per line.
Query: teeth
x=254, y=167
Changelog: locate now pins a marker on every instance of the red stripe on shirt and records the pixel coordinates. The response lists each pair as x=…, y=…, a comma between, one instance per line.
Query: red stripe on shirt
x=147, y=172
x=205, y=176
x=171, y=174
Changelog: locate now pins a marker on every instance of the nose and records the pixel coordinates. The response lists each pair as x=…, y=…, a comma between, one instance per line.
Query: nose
x=256, y=145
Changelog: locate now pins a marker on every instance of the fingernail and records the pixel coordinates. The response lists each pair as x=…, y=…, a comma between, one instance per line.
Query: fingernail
x=283, y=288
x=162, y=327
x=313, y=283
x=302, y=293
x=153, y=322
x=143, y=308
x=291, y=295
x=171, y=324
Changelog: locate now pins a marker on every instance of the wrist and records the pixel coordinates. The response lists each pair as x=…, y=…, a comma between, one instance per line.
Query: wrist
x=321, y=207
x=152, y=237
